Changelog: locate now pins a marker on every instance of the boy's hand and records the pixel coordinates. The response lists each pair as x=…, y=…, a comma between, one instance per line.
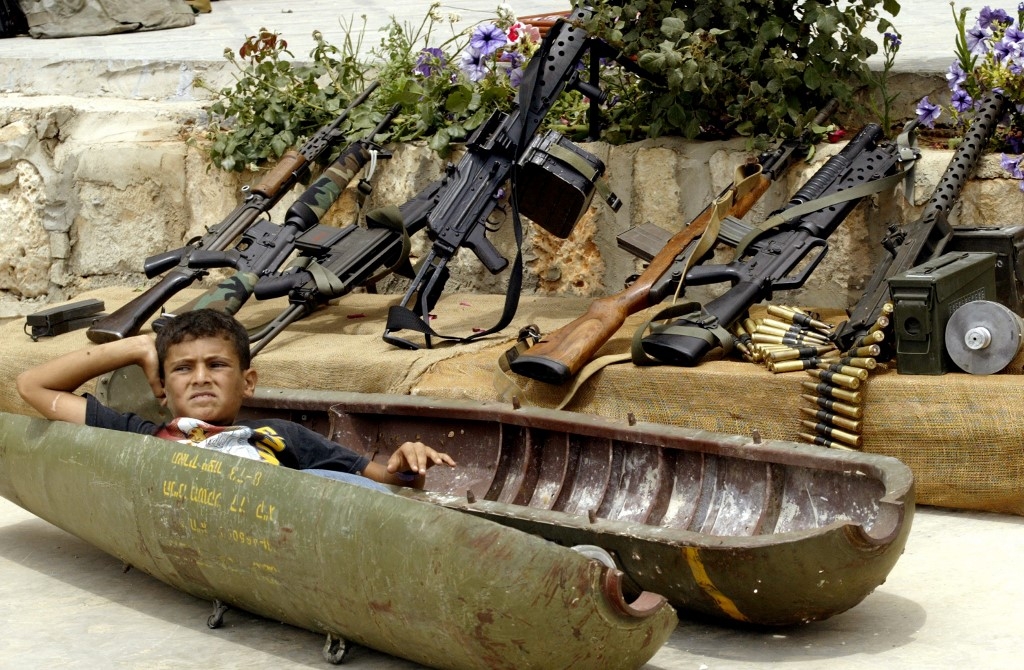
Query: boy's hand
x=416, y=457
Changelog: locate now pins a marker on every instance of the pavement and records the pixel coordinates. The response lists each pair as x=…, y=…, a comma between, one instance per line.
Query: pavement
x=952, y=601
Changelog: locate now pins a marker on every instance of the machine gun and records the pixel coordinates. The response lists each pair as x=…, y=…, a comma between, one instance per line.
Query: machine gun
x=558, y=356
x=765, y=257
x=495, y=153
x=292, y=169
x=328, y=269
x=927, y=237
x=265, y=246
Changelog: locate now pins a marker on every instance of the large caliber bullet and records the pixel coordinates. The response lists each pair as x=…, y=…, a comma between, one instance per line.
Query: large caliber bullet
x=870, y=338
x=859, y=373
x=794, y=366
x=846, y=381
x=799, y=318
x=833, y=433
x=858, y=362
x=794, y=353
x=834, y=405
x=832, y=418
x=831, y=391
x=824, y=442
x=879, y=324
x=869, y=351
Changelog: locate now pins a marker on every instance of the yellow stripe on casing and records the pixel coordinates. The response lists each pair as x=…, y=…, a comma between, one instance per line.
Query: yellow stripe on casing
x=704, y=581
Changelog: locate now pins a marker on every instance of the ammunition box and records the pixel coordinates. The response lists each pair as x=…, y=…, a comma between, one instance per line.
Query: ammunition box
x=925, y=296
x=1007, y=243
x=557, y=182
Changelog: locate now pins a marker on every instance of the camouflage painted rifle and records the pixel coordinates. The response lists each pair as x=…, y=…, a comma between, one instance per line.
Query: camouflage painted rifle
x=328, y=270
x=293, y=167
x=265, y=246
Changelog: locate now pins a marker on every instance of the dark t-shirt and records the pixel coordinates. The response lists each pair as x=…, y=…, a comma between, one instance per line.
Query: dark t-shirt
x=277, y=440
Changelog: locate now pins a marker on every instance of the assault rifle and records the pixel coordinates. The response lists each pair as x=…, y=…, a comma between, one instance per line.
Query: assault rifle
x=925, y=238
x=325, y=271
x=558, y=356
x=765, y=256
x=494, y=154
x=265, y=246
x=292, y=169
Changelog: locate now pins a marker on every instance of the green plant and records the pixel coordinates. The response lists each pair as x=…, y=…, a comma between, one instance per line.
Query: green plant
x=275, y=103
x=747, y=67
x=718, y=68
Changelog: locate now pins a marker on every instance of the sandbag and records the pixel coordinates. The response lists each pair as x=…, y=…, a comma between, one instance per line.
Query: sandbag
x=75, y=18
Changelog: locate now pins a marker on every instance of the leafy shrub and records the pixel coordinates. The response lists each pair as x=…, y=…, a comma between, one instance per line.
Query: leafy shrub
x=757, y=68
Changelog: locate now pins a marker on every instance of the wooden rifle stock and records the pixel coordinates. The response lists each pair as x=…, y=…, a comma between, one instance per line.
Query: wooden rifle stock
x=129, y=317
x=561, y=354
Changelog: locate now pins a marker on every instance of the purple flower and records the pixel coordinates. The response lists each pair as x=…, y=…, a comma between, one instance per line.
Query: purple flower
x=1002, y=50
x=955, y=76
x=893, y=39
x=487, y=38
x=962, y=100
x=429, y=59
x=1012, y=165
x=927, y=112
x=473, y=65
x=976, y=37
x=988, y=16
x=1013, y=35
x=515, y=77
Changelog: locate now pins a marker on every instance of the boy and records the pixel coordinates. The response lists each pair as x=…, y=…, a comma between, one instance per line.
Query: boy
x=200, y=369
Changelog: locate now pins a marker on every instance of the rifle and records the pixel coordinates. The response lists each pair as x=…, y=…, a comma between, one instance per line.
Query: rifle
x=561, y=354
x=265, y=246
x=796, y=235
x=292, y=169
x=327, y=271
x=494, y=154
x=925, y=238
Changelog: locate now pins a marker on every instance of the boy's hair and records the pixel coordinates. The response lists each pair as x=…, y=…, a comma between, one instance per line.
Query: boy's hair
x=199, y=323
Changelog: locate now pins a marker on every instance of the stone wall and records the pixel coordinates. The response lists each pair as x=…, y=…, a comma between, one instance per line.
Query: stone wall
x=90, y=187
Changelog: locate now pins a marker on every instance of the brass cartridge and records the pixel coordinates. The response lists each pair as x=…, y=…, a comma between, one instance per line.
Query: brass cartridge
x=834, y=406
x=834, y=433
x=824, y=442
x=858, y=362
x=831, y=391
x=849, y=370
x=846, y=381
x=830, y=418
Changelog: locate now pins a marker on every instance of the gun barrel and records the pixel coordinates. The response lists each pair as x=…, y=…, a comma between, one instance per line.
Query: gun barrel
x=926, y=238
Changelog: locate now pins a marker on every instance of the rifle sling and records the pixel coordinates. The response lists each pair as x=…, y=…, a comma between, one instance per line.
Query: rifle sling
x=401, y=317
x=791, y=213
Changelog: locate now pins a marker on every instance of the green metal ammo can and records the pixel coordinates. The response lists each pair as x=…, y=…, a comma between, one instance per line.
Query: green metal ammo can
x=925, y=296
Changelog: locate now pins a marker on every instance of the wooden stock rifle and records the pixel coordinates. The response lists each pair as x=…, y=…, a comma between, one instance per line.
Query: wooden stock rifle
x=558, y=356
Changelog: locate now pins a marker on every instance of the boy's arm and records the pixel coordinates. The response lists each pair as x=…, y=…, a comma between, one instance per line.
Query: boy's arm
x=408, y=465
x=49, y=387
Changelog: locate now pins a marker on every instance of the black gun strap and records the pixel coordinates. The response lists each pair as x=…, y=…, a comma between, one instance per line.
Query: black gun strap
x=691, y=320
x=403, y=318
x=838, y=197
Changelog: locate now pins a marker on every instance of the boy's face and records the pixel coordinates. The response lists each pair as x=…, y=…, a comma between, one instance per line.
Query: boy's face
x=203, y=379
